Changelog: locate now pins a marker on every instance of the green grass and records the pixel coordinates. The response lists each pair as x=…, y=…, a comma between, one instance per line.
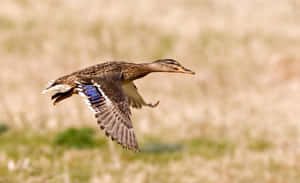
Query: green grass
x=210, y=148
x=17, y=145
x=76, y=152
x=3, y=128
x=259, y=145
x=77, y=138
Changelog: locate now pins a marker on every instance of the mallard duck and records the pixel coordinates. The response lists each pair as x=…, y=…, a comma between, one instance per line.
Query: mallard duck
x=109, y=91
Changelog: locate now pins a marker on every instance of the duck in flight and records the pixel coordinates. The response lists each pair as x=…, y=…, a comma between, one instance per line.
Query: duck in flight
x=109, y=90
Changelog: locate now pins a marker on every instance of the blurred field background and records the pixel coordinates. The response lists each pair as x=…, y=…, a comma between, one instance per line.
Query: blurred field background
x=236, y=121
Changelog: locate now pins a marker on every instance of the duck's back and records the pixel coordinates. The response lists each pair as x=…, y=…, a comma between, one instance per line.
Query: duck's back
x=129, y=71
x=100, y=69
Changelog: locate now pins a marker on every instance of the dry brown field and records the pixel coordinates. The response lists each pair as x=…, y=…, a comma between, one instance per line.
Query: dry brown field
x=236, y=121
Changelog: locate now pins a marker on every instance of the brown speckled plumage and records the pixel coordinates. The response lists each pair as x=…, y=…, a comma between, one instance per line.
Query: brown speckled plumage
x=110, y=92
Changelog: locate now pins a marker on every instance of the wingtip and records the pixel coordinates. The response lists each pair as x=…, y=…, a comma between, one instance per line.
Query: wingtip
x=136, y=149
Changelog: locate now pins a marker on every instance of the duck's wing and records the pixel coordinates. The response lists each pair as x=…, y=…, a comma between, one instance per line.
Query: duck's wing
x=134, y=98
x=106, y=99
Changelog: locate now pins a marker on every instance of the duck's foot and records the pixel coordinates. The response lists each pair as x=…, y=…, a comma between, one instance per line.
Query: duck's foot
x=153, y=105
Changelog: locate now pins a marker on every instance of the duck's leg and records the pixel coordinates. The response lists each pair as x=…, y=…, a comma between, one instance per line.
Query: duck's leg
x=58, y=97
x=134, y=98
x=152, y=105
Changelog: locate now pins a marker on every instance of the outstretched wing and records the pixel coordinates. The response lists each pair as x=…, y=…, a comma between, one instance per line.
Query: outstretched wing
x=134, y=98
x=106, y=98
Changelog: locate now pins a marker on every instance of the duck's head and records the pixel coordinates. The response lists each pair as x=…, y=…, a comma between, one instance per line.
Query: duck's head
x=169, y=65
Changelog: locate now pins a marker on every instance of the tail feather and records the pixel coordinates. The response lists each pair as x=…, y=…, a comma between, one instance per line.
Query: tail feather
x=50, y=84
x=53, y=85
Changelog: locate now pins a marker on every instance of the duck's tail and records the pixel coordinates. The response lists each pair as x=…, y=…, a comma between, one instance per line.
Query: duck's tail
x=49, y=86
x=56, y=85
x=63, y=90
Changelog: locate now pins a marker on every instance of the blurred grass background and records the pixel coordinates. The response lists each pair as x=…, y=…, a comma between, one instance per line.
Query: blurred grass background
x=237, y=120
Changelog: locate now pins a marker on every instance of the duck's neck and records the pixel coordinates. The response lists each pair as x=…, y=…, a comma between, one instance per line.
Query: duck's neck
x=136, y=71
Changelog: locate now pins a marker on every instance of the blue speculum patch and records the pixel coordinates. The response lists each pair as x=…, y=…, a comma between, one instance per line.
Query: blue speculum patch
x=93, y=94
x=88, y=86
